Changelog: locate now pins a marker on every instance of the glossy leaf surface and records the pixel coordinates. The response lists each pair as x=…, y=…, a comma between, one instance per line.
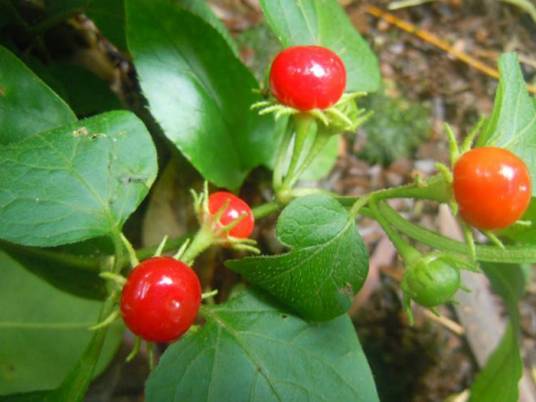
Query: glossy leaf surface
x=75, y=182
x=250, y=350
x=27, y=105
x=326, y=265
x=198, y=91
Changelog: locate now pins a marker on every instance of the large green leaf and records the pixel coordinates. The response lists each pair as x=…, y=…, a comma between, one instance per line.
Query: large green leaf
x=27, y=105
x=75, y=182
x=512, y=124
x=43, y=331
x=198, y=91
x=201, y=9
x=251, y=351
x=324, y=269
x=499, y=379
x=324, y=22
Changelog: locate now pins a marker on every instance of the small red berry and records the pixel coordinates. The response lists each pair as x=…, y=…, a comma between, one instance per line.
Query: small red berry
x=307, y=77
x=236, y=207
x=160, y=299
x=492, y=187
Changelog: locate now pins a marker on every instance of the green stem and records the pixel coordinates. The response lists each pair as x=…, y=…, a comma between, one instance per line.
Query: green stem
x=282, y=154
x=303, y=125
x=318, y=145
x=75, y=385
x=408, y=253
x=266, y=209
x=202, y=240
x=435, y=188
x=510, y=254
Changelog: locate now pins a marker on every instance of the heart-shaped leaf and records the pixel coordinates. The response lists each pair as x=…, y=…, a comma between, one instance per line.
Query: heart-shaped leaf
x=198, y=91
x=27, y=105
x=324, y=22
x=512, y=124
x=251, y=351
x=324, y=269
x=75, y=182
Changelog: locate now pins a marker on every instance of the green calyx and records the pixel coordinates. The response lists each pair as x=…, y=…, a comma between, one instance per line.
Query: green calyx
x=345, y=115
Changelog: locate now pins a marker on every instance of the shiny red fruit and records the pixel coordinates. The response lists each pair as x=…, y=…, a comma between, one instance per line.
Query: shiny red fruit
x=307, y=77
x=160, y=299
x=492, y=187
x=236, y=207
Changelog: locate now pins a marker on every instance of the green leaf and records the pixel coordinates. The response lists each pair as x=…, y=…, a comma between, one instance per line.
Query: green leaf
x=202, y=10
x=324, y=269
x=75, y=182
x=499, y=379
x=324, y=22
x=251, y=351
x=66, y=272
x=43, y=331
x=523, y=234
x=512, y=124
x=75, y=385
x=198, y=91
x=27, y=105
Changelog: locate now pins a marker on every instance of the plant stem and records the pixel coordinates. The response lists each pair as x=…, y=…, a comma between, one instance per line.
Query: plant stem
x=74, y=386
x=510, y=254
x=408, y=253
x=318, y=145
x=266, y=209
x=282, y=152
x=303, y=126
x=202, y=240
x=435, y=188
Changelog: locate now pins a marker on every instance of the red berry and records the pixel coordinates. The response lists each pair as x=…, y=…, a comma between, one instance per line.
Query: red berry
x=492, y=187
x=236, y=207
x=308, y=77
x=160, y=299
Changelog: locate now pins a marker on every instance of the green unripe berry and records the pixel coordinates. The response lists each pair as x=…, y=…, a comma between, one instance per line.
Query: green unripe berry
x=431, y=281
